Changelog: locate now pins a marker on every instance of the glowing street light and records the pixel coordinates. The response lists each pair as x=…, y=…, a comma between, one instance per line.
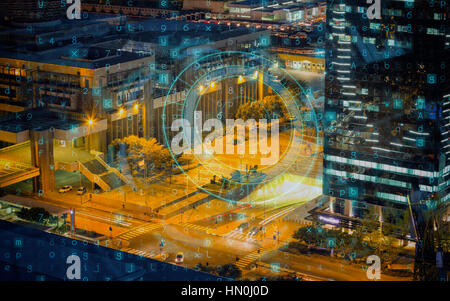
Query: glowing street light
x=201, y=88
x=121, y=111
x=136, y=107
x=90, y=123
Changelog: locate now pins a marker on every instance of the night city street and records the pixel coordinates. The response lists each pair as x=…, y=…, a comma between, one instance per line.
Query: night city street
x=245, y=141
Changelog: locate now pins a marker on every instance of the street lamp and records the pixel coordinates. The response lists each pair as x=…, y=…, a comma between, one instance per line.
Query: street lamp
x=90, y=123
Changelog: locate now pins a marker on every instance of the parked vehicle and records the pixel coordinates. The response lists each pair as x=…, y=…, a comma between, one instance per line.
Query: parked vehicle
x=254, y=230
x=81, y=190
x=65, y=188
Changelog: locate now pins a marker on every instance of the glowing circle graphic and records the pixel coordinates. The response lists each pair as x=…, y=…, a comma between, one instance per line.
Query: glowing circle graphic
x=240, y=126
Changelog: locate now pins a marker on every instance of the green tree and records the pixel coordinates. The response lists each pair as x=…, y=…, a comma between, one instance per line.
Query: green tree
x=373, y=237
x=229, y=271
x=432, y=231
x=35, y=214
x=328, y=238
x=250, y=110
x=205, y=268
x=153, y=154
x=271, y=107
x=274, y=107
x=367, y=233
x=310, y=235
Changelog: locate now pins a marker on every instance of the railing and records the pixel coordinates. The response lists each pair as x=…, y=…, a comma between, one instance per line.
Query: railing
x=19, y=177
x=93, y=178
x=13, y=147
x=10, y=164
x=112, y=169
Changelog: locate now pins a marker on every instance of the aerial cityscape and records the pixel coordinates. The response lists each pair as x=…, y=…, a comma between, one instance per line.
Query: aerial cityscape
x=247, y=140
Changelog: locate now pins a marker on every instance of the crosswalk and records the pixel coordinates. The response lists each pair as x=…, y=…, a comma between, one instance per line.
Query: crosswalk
x=197, y=227
x=152, y=254
x=141, y=230
x=137, y=252
x=254, y=256
x=238, y=234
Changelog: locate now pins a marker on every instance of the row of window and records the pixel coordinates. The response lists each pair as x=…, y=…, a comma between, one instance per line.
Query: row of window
x=363, y=10
x=367, y=178
x=446, y=198
x=381, y=166
x=392, y=197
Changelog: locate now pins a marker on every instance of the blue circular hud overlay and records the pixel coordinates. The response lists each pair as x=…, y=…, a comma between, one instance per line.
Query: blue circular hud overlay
x=240, y=123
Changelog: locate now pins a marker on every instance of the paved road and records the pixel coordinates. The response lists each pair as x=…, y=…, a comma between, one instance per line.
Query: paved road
x=196, y=245
x=322, y=266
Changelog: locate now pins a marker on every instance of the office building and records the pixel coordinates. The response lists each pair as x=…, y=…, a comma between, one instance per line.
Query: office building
x=387, y=108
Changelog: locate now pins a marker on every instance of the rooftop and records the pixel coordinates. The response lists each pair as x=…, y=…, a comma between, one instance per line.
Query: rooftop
x=37, y=119
x=91, y=50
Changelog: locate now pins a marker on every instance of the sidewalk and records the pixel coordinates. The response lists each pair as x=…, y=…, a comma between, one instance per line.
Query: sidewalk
x=70, y=202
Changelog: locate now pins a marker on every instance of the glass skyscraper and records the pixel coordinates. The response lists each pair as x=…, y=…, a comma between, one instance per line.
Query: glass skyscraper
x=387, y=106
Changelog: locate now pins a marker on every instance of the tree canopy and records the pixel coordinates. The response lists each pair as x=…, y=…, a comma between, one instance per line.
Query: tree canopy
x=36, y=214
x=149, y=152
x=270, y=108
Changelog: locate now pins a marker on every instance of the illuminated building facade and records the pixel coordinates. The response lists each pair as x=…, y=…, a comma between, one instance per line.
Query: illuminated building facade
x=283, y=11
x=387, y=107
x=79, y=85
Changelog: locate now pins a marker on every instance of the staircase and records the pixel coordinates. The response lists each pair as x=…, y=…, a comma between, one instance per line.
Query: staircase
x=113, y=180
x=100, y=173
x=92, y=176
x=113, y=170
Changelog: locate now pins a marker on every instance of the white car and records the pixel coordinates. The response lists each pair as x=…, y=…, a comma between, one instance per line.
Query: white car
x=81, y=190
x=65, y=188
x=179, y=258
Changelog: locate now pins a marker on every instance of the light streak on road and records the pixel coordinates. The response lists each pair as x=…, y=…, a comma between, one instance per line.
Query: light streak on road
x=286, y=190
x=276, y=215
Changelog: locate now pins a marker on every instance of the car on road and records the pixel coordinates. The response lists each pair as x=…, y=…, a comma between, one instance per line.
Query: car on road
x=179, y=258
x=243, y=226
x=81, y=190
x=65, y=188
x=254, y=230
